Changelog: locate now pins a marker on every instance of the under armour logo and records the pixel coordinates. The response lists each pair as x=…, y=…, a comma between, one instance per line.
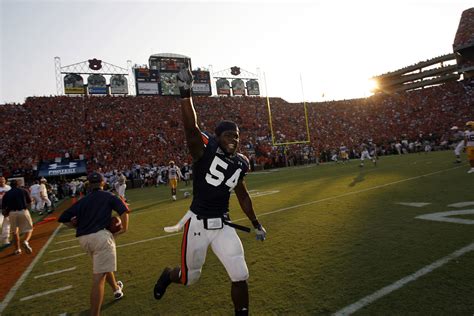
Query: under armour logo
x=197, y=234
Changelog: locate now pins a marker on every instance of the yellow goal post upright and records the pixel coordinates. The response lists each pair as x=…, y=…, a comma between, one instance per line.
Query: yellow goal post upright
x=308, y=139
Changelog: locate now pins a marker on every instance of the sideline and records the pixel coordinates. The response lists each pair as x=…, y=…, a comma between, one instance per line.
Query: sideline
x=25, y=274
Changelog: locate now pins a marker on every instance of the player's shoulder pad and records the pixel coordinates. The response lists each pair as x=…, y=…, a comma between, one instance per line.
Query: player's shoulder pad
x=205, y=138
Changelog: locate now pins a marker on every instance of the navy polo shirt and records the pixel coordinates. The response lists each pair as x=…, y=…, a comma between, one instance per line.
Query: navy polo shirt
x=94, y=212
x=16, y=199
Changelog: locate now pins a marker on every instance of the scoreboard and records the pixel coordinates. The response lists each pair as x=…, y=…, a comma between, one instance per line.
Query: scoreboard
x=168, y=63
x=147, y=81
x=161, y=76
x=202, y=83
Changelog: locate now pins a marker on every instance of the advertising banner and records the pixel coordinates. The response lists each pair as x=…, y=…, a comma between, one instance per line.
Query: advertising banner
x=118, y=84
x=238, y=87
x=252, y=87
x=73, y=167
x=96, y=84
x=223, y=87
x=73, y=84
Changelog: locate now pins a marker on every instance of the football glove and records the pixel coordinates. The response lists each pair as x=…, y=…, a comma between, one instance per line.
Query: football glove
x=260, y=233
x=185, y=81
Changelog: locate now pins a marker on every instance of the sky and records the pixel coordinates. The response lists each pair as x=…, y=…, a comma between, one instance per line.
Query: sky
x=306, y=49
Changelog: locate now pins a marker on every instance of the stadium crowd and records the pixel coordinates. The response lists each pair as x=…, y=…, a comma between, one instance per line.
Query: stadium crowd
x=132, y=133
x=464, y=35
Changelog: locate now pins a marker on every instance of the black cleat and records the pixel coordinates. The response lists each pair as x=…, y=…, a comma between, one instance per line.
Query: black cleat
x=162, y=284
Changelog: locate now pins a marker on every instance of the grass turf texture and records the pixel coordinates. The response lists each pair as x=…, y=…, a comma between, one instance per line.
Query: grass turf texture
x=335, y=248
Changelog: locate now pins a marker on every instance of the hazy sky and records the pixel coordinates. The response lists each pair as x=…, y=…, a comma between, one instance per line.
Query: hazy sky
x=336, y=46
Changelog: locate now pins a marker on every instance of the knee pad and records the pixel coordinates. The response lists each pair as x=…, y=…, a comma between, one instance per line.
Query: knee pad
x=239, y=271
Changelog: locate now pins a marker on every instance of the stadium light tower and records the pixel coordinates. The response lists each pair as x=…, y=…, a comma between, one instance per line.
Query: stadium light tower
x=59, y=79
x=131, y=81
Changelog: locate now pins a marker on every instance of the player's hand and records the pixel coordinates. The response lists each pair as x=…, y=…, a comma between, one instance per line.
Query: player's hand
x=74, y=221
x=260, y=233
x=185, y=81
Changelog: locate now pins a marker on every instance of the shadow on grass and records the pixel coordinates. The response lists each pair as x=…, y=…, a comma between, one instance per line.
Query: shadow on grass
x=146, y=207
x=358, y=179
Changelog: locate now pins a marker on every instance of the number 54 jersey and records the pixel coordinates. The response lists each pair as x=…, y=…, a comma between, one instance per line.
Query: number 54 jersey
x=215, y=175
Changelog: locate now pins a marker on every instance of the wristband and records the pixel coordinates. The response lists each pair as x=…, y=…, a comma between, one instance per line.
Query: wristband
x=256, y=223
x=185, y=93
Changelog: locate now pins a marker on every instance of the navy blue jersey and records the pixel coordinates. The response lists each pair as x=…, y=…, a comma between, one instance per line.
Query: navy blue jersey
x=215, y=175
x=93, y=212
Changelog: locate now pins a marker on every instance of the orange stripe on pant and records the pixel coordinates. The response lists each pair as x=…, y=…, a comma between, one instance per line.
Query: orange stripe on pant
x=184, y=244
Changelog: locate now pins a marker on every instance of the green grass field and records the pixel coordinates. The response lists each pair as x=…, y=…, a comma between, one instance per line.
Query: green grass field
x=336, y=234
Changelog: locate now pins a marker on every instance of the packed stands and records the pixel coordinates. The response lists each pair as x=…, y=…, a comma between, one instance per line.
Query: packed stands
x=120, y=133
x=465, y=33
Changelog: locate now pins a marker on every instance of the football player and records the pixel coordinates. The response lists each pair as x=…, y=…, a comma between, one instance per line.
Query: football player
x=45, y=201
x=186, y=171
x=343, y=152
x=469, y=143
x=365, y=153
x=121, y=186
x=458, y=137
x=36, y=196
x=217, y=170
x=173, y=175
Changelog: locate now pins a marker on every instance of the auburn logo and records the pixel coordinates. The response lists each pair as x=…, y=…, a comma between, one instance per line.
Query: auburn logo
x=95, y=64
x=235, y=71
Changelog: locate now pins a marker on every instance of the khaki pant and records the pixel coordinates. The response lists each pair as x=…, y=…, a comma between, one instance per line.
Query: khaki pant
x=101, y=247
x=21, y=220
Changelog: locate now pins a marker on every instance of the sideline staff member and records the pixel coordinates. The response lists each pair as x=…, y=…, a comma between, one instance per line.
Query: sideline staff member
x=92, y=215
x=15, y=205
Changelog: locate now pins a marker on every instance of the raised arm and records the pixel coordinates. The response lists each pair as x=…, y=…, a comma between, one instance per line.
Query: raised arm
x=191, y=128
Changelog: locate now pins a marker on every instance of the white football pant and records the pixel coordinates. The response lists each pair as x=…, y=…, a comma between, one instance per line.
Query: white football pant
x=5, y=226
x=225, y=243
x=459, y=148
x=365, y=154
x=120, y=188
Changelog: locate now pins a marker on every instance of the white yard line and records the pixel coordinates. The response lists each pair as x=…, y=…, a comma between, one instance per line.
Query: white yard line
x=54, y=272
x=62, y=242
x=400, y=283
x=64, y=258
x=62, y=249
x=25, y=274
x=46, y=293
x=149, y=239
x=118, y=246
x=352, y=193
x=67, y=235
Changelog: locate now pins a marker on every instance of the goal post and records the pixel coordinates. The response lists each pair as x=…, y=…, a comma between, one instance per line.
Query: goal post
x=274, y=142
